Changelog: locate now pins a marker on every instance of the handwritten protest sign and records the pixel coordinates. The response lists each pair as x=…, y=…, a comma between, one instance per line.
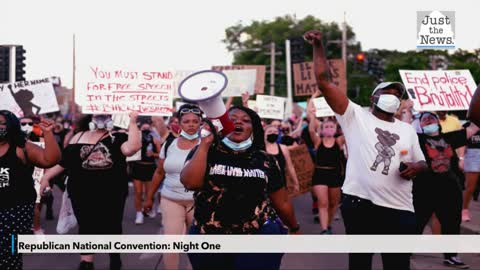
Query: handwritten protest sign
x=304, y=77
x=240, y=81
x=110, y=90
x=270, y=106
x=260, y=78
x=439, y=90
x=28, y=97
x=322, y=109
x=304, y=167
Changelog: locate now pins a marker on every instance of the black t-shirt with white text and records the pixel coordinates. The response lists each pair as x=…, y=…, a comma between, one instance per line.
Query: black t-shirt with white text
x=234, y=198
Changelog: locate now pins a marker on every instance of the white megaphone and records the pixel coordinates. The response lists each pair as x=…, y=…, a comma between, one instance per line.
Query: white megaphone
x=205, y=88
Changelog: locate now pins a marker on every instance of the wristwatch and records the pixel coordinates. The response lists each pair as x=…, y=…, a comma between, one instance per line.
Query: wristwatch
x=294, y=229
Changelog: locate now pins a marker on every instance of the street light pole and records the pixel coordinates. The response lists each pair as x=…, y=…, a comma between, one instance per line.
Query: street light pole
x=272, y=68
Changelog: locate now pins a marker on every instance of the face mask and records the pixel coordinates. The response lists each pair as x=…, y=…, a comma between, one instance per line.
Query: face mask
x=431, y=129
x=238, y=146
x=388, y=103
x=101, y=122
x=175, y=128
x=272, y=137
x=189, y=137
x=416, y=114
x=304, y=125
x=328, y=132
x=27, y=129
x=3, y=133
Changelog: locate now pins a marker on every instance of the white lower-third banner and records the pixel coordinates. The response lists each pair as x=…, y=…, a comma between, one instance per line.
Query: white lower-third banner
x=246, y=243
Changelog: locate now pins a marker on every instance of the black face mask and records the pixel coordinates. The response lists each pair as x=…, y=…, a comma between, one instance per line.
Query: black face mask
x=272, y=137
x=287, y=140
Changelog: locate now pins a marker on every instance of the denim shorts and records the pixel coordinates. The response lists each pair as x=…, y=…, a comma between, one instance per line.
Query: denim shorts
x=472, y=160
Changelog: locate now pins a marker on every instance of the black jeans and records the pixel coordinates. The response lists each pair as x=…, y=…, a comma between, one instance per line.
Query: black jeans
x=363, y=217
x=441, y=195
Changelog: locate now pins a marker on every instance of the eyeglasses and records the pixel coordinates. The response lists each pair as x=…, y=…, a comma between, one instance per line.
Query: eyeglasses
x=29, y=123
x=186, y=110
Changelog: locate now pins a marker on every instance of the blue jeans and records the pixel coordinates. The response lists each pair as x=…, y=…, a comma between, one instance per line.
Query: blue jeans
x=239, y=261
x=363, y=217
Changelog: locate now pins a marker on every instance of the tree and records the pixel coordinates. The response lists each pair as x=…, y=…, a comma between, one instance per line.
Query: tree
x=250, y=43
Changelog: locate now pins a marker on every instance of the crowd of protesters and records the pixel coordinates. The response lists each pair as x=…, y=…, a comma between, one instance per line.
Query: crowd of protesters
x=390, y=168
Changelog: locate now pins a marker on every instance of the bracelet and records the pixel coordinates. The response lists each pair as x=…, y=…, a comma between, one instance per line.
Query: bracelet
x=294, y=229
x=461, y=158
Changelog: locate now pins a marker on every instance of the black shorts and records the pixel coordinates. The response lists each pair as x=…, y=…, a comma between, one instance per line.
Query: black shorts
x=143, y=172
x=327, y=177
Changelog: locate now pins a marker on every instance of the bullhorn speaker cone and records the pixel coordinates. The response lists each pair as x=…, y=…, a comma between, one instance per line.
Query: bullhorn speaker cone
x=205, y=88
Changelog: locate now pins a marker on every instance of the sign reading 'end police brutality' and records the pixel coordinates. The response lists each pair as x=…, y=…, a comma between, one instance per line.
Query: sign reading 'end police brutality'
x=439, y=90
x=110, y=90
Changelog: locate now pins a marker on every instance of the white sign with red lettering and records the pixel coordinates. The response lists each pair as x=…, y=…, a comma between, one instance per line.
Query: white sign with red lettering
x=116, y=90
x=439, y=90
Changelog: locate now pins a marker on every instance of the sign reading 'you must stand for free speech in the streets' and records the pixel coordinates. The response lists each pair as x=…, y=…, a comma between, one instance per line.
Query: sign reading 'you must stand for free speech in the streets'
x=121, y=90
x=439, y=90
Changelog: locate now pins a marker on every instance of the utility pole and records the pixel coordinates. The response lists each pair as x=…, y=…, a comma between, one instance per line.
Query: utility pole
x=289, y=103
x=272, y=68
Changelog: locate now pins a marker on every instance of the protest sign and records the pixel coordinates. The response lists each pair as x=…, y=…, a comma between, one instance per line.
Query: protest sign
x=304, y=167
x=271, y=107
x=38, y=172
x=240, y=81
x=260, y=74
x=113, y=90
x=28, y=97
x=322, y=109
x=305, y=83
x=439, y=90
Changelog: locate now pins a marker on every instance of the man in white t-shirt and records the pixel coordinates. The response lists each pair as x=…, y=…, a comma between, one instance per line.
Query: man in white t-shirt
x=384, y=155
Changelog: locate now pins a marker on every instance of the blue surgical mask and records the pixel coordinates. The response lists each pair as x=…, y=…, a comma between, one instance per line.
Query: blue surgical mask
x=189, y=137
x=238, y=146
x=304, y=125
x=431, y=129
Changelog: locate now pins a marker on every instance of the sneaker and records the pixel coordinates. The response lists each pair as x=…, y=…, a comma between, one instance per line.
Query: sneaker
x=465, y=215
x=150, y=214
x=455, y=262
x=39, y=231
x=325, y=232
x=329, y=230
x=86, y=266
x=159, y=210
x=139, y=218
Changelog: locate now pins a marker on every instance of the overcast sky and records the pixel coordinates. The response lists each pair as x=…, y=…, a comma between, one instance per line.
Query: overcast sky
x=187, y=34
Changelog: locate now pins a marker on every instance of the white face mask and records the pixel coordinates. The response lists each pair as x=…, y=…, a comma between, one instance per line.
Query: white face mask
x=388, y=103
x=189, y=137
x=238, y=146
x=27, y=129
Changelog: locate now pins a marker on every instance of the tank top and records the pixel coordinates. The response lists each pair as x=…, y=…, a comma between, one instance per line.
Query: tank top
x=280, y=159
x=16, y=181
x=329, y=157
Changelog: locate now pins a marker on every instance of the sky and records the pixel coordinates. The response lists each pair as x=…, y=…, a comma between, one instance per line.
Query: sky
x=186, y=35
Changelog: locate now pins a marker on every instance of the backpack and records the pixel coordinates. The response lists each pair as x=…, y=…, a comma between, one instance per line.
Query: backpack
x=168, y=142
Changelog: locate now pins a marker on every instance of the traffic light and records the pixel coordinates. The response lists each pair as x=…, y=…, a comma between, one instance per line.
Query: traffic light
x=4, y=64
x=19, y=63
x=360, y=60
x=297, y=50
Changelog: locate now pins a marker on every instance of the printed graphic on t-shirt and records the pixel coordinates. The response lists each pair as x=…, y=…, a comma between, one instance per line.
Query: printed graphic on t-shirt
x=219, y=169
x=99, y=159
x=385, y=150
x=440, y=154
x=4, y=177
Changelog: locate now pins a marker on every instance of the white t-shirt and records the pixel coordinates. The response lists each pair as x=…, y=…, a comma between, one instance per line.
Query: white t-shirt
x=373, y=163
x=173, y=189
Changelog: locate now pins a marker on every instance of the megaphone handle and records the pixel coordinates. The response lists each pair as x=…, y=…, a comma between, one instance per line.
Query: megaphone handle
x=226, y=123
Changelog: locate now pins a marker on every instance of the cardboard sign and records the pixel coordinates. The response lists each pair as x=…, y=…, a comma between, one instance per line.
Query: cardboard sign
x=260, y=71
x=271, y=107
x=304, y=167
x=28, y=97
x=439, y=90
x=240, y=81
x=111, y=90
x=305, y=83
x=322, y=109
